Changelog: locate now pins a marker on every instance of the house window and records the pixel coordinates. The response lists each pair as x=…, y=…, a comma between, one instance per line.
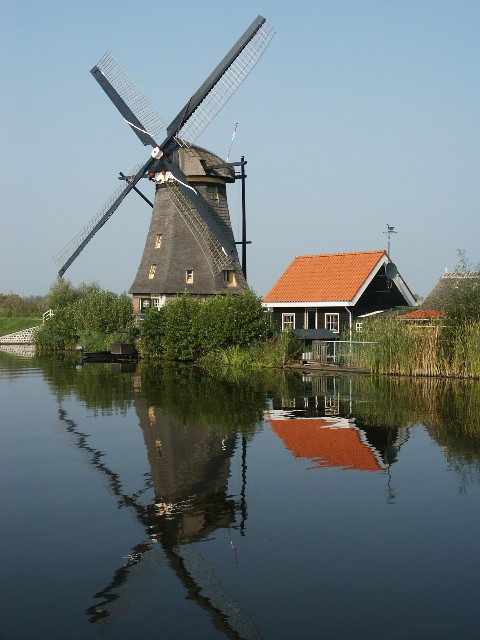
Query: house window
x=331, y=322
x=358, y=327
x=288, y=321
x=151, y=273
x=229, y=277
x=189, y=276
x=158, y=241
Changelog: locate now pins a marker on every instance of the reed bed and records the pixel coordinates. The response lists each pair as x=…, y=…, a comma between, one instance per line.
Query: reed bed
x=404, y=348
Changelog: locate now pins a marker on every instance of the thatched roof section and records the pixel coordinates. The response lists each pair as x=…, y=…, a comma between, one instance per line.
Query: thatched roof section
x=437, y=298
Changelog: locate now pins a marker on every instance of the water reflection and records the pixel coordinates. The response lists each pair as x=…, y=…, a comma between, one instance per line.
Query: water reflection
x=193, y=426
x=318, y=424
x=189, y=472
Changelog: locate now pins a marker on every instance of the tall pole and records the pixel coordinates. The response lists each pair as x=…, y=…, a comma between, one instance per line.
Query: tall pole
x=244, y=221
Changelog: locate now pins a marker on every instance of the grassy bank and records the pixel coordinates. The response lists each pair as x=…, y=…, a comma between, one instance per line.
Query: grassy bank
x=11, y=323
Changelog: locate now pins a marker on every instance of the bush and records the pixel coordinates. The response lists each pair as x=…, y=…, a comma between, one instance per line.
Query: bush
x=187, y=327
x=93, y=319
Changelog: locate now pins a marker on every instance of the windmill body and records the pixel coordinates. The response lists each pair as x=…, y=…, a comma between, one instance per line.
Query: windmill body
x=181, y=253
x=190, y=244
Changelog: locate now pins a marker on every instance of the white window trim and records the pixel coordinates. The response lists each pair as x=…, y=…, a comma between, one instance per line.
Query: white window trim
x=337, y=330
x=290, y=325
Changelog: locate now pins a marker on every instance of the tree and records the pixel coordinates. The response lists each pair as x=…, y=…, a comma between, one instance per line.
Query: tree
x=61, y=294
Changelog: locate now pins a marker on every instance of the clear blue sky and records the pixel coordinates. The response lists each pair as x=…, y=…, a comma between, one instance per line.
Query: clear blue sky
x=360, y=113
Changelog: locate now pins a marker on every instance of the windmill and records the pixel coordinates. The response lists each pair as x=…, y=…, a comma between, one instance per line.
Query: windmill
x=190, y=244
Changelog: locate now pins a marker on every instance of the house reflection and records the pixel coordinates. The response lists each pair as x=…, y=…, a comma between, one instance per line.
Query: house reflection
x=318, y=426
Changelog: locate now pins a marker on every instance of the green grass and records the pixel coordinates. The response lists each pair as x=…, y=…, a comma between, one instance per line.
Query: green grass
x=13, y=324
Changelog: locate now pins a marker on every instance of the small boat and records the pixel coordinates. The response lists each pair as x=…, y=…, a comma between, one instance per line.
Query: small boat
x=118, y=352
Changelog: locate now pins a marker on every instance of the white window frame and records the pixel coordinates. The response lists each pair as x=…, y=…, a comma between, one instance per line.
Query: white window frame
x=358, y=326
x=336, y=322
x=189, y=276
x=288, y=324
x=151, y=273
x=158, y=301
x=158, y=241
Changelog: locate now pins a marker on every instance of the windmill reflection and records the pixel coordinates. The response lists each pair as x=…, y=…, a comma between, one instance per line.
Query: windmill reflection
x=189, y=472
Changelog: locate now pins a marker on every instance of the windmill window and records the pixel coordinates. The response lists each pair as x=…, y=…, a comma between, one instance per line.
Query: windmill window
x=288, y=321
x=332, y=322
x=151, y=273
x=189, y=276
x=229, y=277
x=216, y=193
x=158, y=301
x=158, y=241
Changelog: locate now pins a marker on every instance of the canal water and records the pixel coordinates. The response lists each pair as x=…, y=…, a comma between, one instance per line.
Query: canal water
x=163, y=502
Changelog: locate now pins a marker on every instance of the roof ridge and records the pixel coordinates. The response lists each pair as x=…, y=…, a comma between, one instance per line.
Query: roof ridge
x=341, y=253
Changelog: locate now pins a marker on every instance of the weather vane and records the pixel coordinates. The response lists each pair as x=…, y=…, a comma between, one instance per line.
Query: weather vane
x=389, y=232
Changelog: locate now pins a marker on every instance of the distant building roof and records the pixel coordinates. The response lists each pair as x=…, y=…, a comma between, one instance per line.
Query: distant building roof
x=437, y=297
x=420, y=314
x=331, y=277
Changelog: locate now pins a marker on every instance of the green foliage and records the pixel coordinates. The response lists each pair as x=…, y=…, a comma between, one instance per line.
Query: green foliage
x=59, y=332
x=103, y=312
x=187, y=328
x=92, y=319
x=61, y=294
x=461, y=300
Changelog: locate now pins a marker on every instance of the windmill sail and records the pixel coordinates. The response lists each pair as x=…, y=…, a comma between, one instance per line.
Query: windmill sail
x=135, y=108
x=222, y=83
x=71, y=250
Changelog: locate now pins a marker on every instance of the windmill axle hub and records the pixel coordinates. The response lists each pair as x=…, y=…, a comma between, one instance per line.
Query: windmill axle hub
x=157, y=153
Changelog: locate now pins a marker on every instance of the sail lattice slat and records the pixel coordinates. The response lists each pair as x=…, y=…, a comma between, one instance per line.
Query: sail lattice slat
x=146, y=113
x=69, y=249
x=226, y=86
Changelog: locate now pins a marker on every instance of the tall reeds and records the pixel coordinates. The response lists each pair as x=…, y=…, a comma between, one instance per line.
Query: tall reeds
x=404, y=348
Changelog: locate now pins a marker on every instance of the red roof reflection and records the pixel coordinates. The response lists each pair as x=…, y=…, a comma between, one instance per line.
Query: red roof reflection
x=327, y=442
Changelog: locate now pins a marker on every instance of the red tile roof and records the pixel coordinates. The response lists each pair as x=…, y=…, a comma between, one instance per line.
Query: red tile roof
x=421, y=314
x=317, y=439
x=324, y=276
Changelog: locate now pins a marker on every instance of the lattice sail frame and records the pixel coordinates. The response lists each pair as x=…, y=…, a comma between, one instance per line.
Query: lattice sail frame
x=143, y=109
x=226, y=86
x=69, y=249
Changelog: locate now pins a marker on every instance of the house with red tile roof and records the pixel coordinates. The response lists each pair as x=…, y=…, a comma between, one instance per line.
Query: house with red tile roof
x=321, y=294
